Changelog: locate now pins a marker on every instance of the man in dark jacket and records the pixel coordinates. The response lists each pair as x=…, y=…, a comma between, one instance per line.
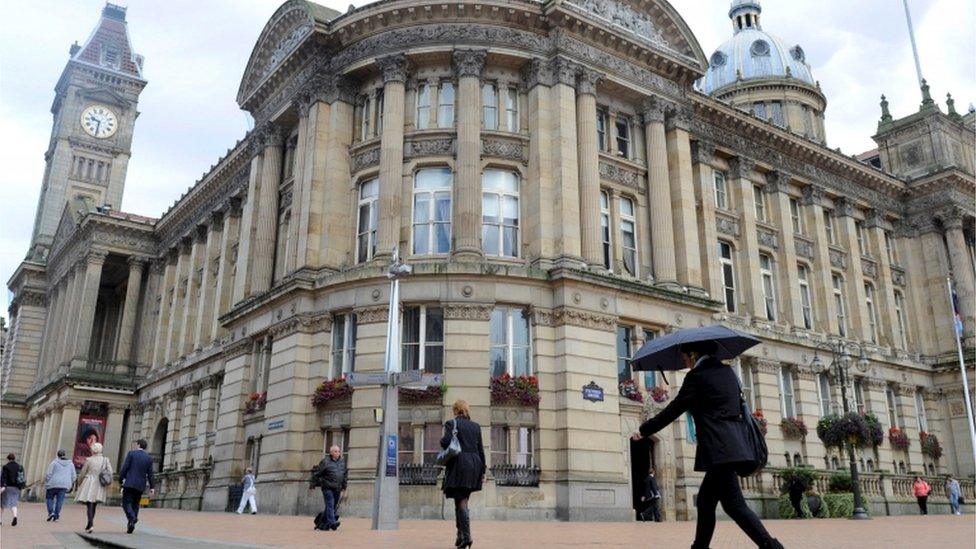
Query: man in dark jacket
x=795, y=488
x=651, y=498
x=135, y=474
x=332, y=479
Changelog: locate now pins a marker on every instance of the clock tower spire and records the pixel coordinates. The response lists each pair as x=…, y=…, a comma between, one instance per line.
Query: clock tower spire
x=94, y=114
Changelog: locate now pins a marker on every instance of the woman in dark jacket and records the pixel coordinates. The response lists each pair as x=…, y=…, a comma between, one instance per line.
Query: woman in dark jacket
x=710, y=392
x=465, y=473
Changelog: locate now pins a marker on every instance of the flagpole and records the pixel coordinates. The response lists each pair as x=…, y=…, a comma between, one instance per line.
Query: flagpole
x=962, y=368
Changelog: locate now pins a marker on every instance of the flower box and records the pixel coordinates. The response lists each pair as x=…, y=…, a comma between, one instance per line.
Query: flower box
x=659, y=394
x=763, y=423
x=793, y=428
x=256, y=402
x=898, y=439
x=875, y=429
x=429, y=395
x=930, y=445
x=629, y=390
x=331, y=391
x=506, y=389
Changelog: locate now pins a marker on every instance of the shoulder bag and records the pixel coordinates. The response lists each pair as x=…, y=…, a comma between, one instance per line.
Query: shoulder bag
x=453, y=449
x=105, y=475
x=754, y=438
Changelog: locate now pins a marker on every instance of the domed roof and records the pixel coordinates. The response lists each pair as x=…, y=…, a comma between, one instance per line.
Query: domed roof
x=752, y=53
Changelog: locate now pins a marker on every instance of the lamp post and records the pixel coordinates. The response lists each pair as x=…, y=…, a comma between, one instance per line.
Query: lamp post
x=841, y=359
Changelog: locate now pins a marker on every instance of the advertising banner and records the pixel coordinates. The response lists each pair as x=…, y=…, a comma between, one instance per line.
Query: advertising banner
x=91, y=429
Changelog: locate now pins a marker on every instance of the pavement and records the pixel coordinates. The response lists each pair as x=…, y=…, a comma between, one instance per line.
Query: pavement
x=171, y=529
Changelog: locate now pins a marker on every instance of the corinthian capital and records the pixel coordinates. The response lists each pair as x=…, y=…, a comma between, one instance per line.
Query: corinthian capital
x=587, y=80
x=653, y=109
x=394, y=67
x=702, y=152
x=741, y=167
x=564, y=71
x=469, y=62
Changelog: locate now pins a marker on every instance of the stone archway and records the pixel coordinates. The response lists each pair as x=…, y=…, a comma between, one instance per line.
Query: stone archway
x=158, y=448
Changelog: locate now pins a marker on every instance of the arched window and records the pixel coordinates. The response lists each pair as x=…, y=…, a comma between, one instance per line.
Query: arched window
x=432, y=211
x=369, y=192
x=500, y=213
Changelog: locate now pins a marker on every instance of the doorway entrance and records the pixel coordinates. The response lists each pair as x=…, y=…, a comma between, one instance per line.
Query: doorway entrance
x=159, y=444
x=641, y=460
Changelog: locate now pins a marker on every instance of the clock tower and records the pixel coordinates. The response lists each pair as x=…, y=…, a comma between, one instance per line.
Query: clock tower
x=94, y=114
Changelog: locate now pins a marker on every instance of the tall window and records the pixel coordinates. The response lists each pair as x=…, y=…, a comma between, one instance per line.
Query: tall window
x=369, y=192
x=872, y=316
x=728, y=274
x=894, y=418
x=423, y=107
x=489, y=106
x=432, y=211
x=605, y=231
x=511, y=350
x=624, y=334
x=524, y=446
x=923, y=422
x=768, y=285
x=829, y=227
x=601, y=129
x=862, y=242
x=407, y=443
x=760, y=200
x=721, y=191
x=744, y=372
x=423, y=339
x=900, y=314
x=859, y=395
x=776, y=113
x=499, y=445
x=838, y=284
x=650, y=379
x=511, y=109
x=343, y=344
x=445, y=105
x=628, y=235
x=759, y=109
x=432, y=442
x=623, y=136
x=890, y=249
x=806, y=302
x=379, y=112
x=365, y=114
x=500, y=213
x=796, y=216
x=823, y=386
x=787, y=402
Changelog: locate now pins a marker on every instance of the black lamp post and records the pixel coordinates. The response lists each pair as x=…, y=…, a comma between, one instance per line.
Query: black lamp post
x=841, y=360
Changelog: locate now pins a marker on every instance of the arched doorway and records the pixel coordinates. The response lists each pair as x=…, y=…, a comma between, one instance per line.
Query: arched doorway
x=158, y=451
x=641, y=460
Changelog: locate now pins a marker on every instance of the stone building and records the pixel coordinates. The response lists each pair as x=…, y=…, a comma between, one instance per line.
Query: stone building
x=568, y=179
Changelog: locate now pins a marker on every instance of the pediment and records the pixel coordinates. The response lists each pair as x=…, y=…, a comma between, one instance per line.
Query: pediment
x=67, y=226
x=104, y=95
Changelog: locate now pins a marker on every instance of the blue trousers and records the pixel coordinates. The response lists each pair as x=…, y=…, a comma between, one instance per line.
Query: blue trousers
x=954, y=503
x=55, y=499
x=331, y=498
x=130, y=504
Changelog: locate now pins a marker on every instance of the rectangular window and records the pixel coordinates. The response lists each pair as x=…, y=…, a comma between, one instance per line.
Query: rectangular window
x=760, y=200
x=369, y=192
x=624, y=334
x=379, y=112
x=787, y=402
x=432, y=442
x=728, y=274
x=628, y=235
x=721, y=191
x=500, y=213
x=923, y=422
x=824, y=392
x=512, y=109
x=838, y=284
x=365, y=112
x=759, y=109
x=445, y=105
x=432, y=211
x=872, y=315
x=511, y=349
x=489, y=106
x=423, y=339
x=423, y=107
x=744, y=371
x=605, y=232
x=900, y=314
x=768, y=285
x=862, y=242
x=499, y=445
x=337, y=437
x=623, y=137
x=650, y=377
x=859, y=395
x=829, y=227
x=406, y=444
x=776, y=114
x=525, y=448
x=796, y=215
x=894, y=418
x=601, y=129
x=343, y=344
x=806, y=302
x=890, y=249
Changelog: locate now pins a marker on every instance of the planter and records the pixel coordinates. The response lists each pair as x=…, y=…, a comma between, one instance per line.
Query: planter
x=429, y=395
x=763, y=424
x=836, y=431
x=898, y=439
x=930, y=445
x=330, y=391
x=629, y=390
x=256, y=402
x=506, y=389
x=793, y=428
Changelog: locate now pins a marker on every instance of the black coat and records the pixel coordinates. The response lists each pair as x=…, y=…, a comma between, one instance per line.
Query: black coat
x=332, y=473
x=464, y=471
x=136, y=471
x=711, y=393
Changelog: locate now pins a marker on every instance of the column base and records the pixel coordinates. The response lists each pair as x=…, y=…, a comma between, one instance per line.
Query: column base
x=467, y=253
x=698, y=291
x=671, y=285
x=570, y=262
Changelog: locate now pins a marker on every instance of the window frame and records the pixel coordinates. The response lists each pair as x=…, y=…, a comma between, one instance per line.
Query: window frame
x=768, y=275
x=858, y=386
x=840, y=297
x=511, y=110
x=787, y=400
x=728, y=271
x=902, y=319
x=829, y=226
x=796, y=216
x=806, y=297
x=631, y=220
x=759, y=201
x=372, y=202
x=349, y=328
x=894, y=417
x=890, y=249
x=422, y=344
x=622, y=121
x=920, y=416
x=869, y=294
x=431, y=222
x=606, y=234
x=510, y=346
x=422, y=111
x=500, y=223
x=489, y=104
x=625, y=335
x=721, y=188
x=445, y=111
x=746, y=382
x=602, y=125
x=824, y=394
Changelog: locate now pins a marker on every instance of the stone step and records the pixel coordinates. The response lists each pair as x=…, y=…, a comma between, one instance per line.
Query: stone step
x=153, y=541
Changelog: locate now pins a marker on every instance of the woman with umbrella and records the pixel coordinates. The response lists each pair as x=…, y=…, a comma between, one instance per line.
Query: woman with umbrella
x=711, y=392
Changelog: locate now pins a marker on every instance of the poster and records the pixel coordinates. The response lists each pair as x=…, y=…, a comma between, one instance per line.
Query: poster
x=391, y=456
x=91, y=429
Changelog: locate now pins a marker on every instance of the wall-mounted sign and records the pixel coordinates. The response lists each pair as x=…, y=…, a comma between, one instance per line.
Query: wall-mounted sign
x=593, y=392
x=276, y=424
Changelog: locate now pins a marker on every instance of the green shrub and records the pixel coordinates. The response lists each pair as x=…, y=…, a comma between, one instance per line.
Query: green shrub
x=806, y=474
x=839, y=483
x=841, y=505
x=786, y=508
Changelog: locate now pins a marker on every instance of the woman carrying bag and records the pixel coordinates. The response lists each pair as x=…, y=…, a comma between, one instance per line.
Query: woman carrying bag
x=94, y=478
x=465, y=470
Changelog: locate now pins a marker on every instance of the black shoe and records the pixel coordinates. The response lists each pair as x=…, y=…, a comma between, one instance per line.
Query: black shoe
x=50, y=518
x=335, y=525
x=130, y=528
x=254, y=512
x=14, y=523
x=773, y=543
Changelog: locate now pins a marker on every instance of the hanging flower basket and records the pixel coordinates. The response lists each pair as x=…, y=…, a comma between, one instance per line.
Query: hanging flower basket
x=659, y=394
x=331, y=391
x=763, y=423
x=836, y=431
x=931, y=446
x=506, y=389
x=629, y=390
x=898, y=439
x=874, y=426
x=793, y=428
x=256, y=402
x=429, y=395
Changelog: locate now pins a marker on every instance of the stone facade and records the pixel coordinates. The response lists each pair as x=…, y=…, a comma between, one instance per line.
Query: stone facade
x=493, y=146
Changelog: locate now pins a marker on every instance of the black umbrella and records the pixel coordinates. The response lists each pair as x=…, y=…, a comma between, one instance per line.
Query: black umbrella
x=663, y=353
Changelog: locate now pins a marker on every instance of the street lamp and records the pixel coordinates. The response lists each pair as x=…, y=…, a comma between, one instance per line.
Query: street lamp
x=841, y=360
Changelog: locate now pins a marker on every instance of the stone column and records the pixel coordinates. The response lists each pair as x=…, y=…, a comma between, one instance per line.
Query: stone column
x=173, y=444
x=225, y=266
x=205, y=410
x=659, y=193
x=69, y=427
x=266, y=232
x=188, y=425
x=541, y=223
x=962, y=270
x=210, y=269
x=196, y=274
x=228, y=450
x=394, y=70
x=564, y=168
x=825, y=315
x=857, y=311
x=750, y=279
x=589, y=167
x=63, y=327
x=244, y=276
x=89, y=297
x=171, y=348
x=334, y=131
x=876, y=226
x=468, y=65
x=166, y=285
x=787, y=274
x=113, y=435
x=41, y=456
x=130, y=308
x=299, y=193
x=685, y=224
x=703, y=154
x=47, y=335
x=149, y=317
x=73, y=310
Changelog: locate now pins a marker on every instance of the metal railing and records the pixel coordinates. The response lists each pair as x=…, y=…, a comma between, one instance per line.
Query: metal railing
x=515, y=475
x=419, y=474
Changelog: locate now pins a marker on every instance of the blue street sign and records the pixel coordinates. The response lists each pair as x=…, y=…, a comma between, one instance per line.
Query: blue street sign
x=391, y=455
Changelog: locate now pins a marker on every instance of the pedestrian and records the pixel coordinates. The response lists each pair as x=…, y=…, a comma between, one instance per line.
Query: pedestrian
x=12, y=481
x=711, y=393
x=136, y=473
x=465, y=472
x=795, y=489
x=332, y=476
x=91, y=490
x=249, y=493
x=59, y=479
x=651, y=498
x=921, y=490
x=953, y=492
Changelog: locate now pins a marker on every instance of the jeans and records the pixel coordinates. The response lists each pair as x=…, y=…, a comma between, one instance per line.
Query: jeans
x=130, y=504
x=954, y=503
x=55, y=499
x=721, y=484
x=653, y=511
x=331, y=498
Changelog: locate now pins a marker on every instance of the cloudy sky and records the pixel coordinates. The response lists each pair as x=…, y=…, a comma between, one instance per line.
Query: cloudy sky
x=196, y=51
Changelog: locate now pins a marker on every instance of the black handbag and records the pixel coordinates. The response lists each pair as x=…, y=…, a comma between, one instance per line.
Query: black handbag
x=453, y=449
x=755, y=438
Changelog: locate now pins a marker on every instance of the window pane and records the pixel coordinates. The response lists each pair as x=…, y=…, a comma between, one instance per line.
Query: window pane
x=499, y=445
x=411, y=325
x=442, y=238
x=510, y=211
x=521, y=361
x=510, y=236
x=434, y=358
x=405, y=431
x=411, y=357
x=435, y=324
x=523, y=455
x=442, y=206
x=433, y=178
x=421, y=207
x=497, y=327
x=432, y=442
x=499, y=361
x=489, y=239
x=421, y=239
x=520, y=327
x=490, y=207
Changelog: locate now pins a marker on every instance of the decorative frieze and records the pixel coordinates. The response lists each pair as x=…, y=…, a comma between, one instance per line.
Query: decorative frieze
x=767, y=238
x=702, y=152
x=564, y=71
x=624, y=176
x=536, y=71
x=429, y=147
x=727, y=225
x=584, y=319
x=776, y=182
x=869, y=267
x=587, y=80
x=366, y=159
x=654, y=109
x=898, y=276
x=468, y=311
x=679, y=117
x=843, y=207
x=838, y=259
x=623, y=16
x=469, y=62
x=509, y=149
x=307, y=323
x=813, y=195
x=394, y=68
x=768, y=366
x=741, y=167
x=372, y=315
x=237, y=348
x=804, y=248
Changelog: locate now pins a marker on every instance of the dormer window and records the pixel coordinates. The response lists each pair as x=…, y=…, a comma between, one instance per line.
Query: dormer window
x=110, y=57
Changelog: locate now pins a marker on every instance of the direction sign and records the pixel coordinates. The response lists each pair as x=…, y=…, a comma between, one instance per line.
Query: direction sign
x=415, y=379
x=367, y=378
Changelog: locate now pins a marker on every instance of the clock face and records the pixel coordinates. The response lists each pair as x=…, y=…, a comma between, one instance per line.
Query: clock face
x=99, y=121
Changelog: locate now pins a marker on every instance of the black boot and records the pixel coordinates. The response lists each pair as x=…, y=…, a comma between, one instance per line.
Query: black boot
x=466, y=540
x=457, y=525
x=773, y=543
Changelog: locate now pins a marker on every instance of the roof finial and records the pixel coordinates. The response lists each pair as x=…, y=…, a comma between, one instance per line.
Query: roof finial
x=926, y=96
x=951, y=106
x=885, y=114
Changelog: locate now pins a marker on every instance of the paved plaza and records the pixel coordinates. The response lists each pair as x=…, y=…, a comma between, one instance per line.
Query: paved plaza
x=226, y=529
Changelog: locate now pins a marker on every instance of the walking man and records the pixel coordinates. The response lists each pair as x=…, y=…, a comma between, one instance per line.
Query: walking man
x=59, y=479
x=954, y=493
x=332, y=479
x=249, y=494
x=135, y=474
x=651, y=498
